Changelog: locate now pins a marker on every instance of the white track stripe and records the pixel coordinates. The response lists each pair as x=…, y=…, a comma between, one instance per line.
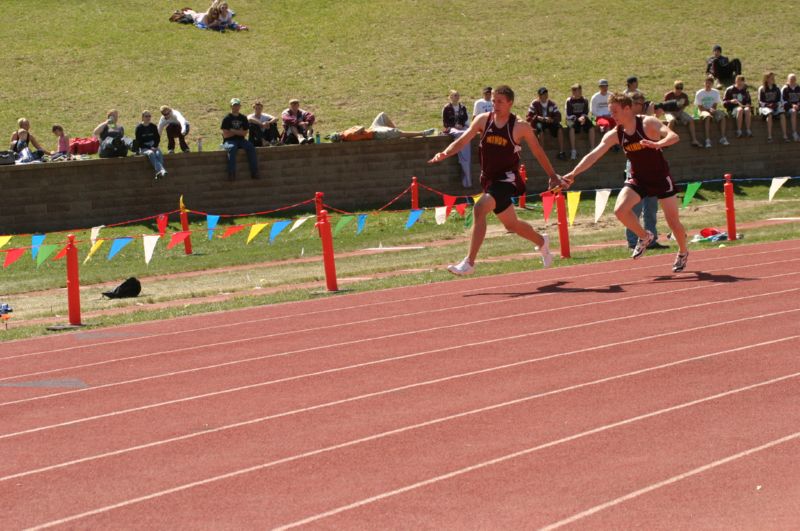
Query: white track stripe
x=379, y=303
x=429, y=481
x=401, y=334
x=670, y=481
x=390, y=391
x=529, y=451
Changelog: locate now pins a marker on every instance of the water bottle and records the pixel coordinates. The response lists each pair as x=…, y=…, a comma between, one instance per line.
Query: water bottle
x=316, y=138
x=199, y=144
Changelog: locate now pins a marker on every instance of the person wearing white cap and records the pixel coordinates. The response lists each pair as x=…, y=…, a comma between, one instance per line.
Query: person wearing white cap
x=235, y=128
x=599, y=107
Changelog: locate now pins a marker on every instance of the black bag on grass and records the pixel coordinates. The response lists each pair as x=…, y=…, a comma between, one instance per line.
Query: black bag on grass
x=130, y=288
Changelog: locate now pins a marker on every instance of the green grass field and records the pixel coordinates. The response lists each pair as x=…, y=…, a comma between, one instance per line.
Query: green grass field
x=346, y=60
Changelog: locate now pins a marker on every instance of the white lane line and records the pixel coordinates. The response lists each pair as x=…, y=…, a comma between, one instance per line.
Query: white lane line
x=384, y=495
x=527, y=451
x=379, y=303
x=670, y=481
x=408, y=333
x=387, y=392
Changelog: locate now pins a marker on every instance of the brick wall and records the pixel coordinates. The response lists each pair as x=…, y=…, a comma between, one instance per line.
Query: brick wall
x=46, y=197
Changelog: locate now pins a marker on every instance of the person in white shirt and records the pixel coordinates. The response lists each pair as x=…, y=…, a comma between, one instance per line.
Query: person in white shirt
x=598, y=106
x=176, y=126
x=263, y=127
x=483, y=105
x=708, y=101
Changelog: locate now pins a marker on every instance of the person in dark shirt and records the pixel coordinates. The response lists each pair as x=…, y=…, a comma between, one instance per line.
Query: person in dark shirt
x=147, y=140
x=455, y=121
x=769, y=104
x=738, y=103
x=723, y=69
x=543, y=115
x=577, y=112
x=791, y=102
x=235, y=128
x=676, y=110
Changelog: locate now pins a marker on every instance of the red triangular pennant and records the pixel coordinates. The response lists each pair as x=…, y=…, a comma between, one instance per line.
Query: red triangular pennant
x=162, y=221
x=61, y=254
x=230, y=231
x=547, y=204
x=449, y=201
x=461, y=208
x=177, y=238
x=12, y=255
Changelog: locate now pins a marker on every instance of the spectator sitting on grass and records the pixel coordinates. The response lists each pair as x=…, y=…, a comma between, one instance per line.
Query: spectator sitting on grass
x=382, y=128
x=226, y=15
x=721, y=69
x=707, y=100
x=543, y=115
x=738, y=103
x=263, y=127
x=455, y=120
x=147, y=140
x=298, y=125
x=62, y=148
x=676, y=110
x=177, y=127
x=234, y=130
x=23, y=138
x=770, y=104
x=791, y=102
x=576, y=110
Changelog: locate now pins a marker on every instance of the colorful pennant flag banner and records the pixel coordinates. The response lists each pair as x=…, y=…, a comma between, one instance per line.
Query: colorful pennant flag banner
x=548, y=200
x=343, y=221
x=44, y=252
x=61, y=254
x=449, y=201
x=162, y=221
x=177, y=238
x=95, y=247
x=461, y=208
x=36, y=242
x=211, y=223
x=277, y=227
x=4, y=240
x=600, y=202
x=440, y=214
x=299, y=222
x=362, y=222
x=254, y=230
x=573, y=200
x=12, y=256
x=95, y=233
x=230, y=231
x=774, y=186
x=468, y=219
x=413, y=217
x=117, y=245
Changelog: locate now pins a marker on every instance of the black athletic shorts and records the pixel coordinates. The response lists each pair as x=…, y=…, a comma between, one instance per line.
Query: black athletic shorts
x=502, y=192
x=661, y=188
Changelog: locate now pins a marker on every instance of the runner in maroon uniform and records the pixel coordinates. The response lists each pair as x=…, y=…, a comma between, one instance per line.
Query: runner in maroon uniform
x=500, y=145
x=649, y=174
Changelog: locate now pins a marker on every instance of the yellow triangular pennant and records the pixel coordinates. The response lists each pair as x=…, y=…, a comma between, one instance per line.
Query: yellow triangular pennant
x=95, y=247
x=573, y=199
x=4, y=240
x=254, y=230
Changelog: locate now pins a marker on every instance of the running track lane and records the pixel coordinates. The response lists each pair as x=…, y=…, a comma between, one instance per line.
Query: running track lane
x=533, y=376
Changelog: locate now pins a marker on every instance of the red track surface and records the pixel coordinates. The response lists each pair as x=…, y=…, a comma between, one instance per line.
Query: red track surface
x=611, y=396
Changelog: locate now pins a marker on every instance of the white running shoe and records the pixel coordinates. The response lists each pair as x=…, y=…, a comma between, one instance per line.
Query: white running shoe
x=642, y=245
x=708, y=143
x=724, y=141
x=547, y=256
x=462, y=268
x=680, y=262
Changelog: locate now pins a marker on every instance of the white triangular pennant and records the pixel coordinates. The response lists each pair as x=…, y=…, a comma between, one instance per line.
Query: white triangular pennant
x=300, y=222
x=149, y=241
x=441, y=215
x=600, y=201
x=777, y=182
x=96, y=233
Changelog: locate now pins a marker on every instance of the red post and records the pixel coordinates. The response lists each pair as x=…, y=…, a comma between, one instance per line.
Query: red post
x=328, y=258
x=73, y=282
x=563, y=228
x=414, y=194
x=318, y=203
x=523, y=173
x=187, y=243
x=730, y=209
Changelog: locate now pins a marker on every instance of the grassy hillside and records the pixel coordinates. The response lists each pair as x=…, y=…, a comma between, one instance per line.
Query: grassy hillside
x=348, y=59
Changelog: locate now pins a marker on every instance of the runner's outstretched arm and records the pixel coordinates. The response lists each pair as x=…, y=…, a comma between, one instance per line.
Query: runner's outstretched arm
x=538, y=152
x=477, y=125
x=609, y=140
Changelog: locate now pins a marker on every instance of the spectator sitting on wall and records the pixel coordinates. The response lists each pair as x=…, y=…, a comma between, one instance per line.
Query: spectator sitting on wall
x=263, y=127
x=577, y=112
x=23, y=138
x=298, y=125
x=675, y=103
x=708, y=100
x=382, y=128
x=770, y=104
x=177, y=127
x=722, y=69
x=791, y=102
x=147, y=140
x=113, y=142
x=455, y=120
x=62, y=148
x=633, y=88
x=738, y=103
x=543, y=115
x=598, y=106
x=235, y=128
x=484, y=104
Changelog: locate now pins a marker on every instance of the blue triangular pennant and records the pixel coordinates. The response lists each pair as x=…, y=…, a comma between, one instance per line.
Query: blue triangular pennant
x=211, y=221
x=118, y=245
x=277, y=227
x=36, y=242
x=362, y=221
x=413, y=216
